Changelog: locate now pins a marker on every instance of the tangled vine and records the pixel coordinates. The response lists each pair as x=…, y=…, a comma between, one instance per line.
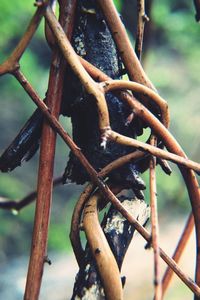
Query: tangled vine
x=139, y=94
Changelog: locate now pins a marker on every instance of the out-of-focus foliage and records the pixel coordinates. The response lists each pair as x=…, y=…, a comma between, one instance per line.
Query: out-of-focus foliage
x=172, y=63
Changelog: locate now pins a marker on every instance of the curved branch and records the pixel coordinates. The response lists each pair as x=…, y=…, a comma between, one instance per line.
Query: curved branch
x=144, y=91
x=75, y=224
x=106, y=263
x=182, y=161
x=189, y=226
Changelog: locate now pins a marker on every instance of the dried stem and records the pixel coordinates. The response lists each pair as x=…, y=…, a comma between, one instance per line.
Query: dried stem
x=154, y=224
x=141, y=20
x=45, y=173
x=12, y=63
x=189, y=226
x=121, y=139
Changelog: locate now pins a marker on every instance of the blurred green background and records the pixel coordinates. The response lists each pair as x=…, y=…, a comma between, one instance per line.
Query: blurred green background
x=171, y=60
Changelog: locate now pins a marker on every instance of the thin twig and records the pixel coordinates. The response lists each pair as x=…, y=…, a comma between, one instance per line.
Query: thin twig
x=141, y=20
x=154, y=224
x=121, y=139
x=28, y=199
x=12, y=62
x=189, y=226
x=130, y=60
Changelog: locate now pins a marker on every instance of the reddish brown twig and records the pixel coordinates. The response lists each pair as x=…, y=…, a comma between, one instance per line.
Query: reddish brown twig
x=154, y=224
x=28, y=199
x=45, y=173
x=12, y=62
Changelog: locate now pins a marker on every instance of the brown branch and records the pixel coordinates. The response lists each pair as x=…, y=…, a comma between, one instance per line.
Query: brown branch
x=143, y=91
x=121, y=139
x=141, y=20
x=189, y=226
x=12, y=62
x=45, y=173
x=72, y=59
x=106, y=263
x=28, y=199
x=129, y=58
x=75, y=224
x=154, y=224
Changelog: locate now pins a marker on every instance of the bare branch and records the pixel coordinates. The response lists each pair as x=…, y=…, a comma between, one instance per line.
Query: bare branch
x=189, y=226
x=12, y=63
x=154, y=225
x=131, y=62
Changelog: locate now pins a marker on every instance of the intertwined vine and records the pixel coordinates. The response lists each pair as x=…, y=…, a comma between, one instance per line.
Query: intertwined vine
x=97, y=84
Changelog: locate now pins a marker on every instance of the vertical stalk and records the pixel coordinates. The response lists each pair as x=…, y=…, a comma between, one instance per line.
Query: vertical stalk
x=142, y=19
x=154, y=225
x=46, y=165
